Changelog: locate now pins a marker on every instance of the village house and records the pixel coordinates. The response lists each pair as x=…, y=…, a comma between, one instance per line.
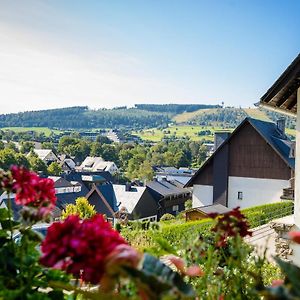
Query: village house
x=249, y=167
x=46, y=155
x=169, y=195
x=67, y=163
x=96, y=164
x=199, y=213
x=182, y=175
x=133, y=202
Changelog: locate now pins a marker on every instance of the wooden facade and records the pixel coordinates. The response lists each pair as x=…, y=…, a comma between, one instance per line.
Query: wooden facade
x=249, y=156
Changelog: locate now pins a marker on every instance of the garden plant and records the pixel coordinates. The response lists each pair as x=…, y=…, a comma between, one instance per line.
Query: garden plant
x=88, y=259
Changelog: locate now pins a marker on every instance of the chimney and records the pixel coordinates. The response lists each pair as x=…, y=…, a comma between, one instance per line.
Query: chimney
x=292, y=150
x=220, y=137
x=281, y=125
x=128, y=187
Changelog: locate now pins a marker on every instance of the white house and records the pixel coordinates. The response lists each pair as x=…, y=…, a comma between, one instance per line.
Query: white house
x=96, y=164
x=251, y=167
x=46, y=155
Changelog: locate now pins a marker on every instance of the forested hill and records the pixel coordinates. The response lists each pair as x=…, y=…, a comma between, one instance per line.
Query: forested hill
x=141, y=116
x=82, y=117
x=138, y=117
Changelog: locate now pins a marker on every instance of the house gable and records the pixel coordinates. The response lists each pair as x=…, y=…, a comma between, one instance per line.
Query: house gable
x=96, y=198
x=251, y=156
x=146, y=207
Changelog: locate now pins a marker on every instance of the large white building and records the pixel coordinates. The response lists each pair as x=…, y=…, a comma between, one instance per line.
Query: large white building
x=96, y=164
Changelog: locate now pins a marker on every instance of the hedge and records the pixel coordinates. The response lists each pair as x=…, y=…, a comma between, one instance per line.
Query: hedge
x=263, y=214
x=178, y=235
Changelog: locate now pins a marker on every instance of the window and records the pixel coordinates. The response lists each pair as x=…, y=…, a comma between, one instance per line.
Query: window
x=175, y=208
x=240, y=195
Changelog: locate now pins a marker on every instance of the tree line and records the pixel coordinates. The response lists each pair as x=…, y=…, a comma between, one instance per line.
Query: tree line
x=82, y=117
x=134, y=161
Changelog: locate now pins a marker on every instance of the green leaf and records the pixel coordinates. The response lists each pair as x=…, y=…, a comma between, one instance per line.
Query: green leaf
x=155, y=278
x=4, y=214
x=5, y=224
x=292, y=273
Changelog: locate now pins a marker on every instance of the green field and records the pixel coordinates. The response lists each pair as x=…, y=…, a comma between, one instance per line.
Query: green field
x=257, y=114
x=188, y=116
x=47, y=131
x=156, y=135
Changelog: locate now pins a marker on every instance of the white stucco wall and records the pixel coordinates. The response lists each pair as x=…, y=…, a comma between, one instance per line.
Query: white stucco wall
x=256, y=191
x=202, y=195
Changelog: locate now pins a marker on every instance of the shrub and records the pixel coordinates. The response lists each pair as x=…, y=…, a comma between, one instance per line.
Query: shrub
x=180, y=234
x=167, y=217
x=263, y=214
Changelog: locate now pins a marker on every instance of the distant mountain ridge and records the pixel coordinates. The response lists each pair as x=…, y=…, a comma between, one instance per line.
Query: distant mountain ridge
x=141, y=116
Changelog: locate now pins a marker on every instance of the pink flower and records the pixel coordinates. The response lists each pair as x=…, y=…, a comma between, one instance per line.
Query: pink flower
x=193, y=271
x=295, y=236
x=85, y=247
x=277, y=282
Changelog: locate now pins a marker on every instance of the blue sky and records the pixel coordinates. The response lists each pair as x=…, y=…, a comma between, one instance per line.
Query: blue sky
x=60, y=53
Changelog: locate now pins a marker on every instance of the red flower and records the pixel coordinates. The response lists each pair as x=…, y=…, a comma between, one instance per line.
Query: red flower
x=80, y=246
x=230, y=224
x=24, y=185
x=295, y=236
x=32, y=190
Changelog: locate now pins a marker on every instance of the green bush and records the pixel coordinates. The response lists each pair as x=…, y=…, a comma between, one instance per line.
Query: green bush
x=167, y=217
x=180, y=234
x=263, y=214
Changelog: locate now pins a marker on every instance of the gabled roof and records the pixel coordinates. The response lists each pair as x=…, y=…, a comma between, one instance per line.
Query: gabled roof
x=116, y=196
x=208, y=209
x=282, y=95
x=95, y=164
x=280, y=143
x=128, y=199
x=60, y=182
x=42, y=153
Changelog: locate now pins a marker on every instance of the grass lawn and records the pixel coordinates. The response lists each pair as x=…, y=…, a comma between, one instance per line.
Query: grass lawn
x=47, y=131
x=179, y=131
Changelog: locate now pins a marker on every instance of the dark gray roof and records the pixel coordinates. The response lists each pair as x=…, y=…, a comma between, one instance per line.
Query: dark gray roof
x=166, y=188
x=279, y=142
x=215, y=208
x=69, y=198
x=107, y=191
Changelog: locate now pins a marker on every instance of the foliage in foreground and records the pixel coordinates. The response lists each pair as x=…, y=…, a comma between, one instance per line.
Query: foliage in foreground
x=80, y=254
